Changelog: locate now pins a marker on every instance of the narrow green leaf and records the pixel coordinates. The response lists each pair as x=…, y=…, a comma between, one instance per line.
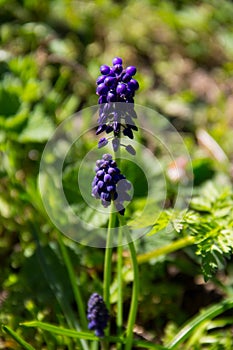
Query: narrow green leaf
x=87, y=335
x=73, y=280
x=60, y=330
x=207, y=314
x=17, y=338
x=56, y=285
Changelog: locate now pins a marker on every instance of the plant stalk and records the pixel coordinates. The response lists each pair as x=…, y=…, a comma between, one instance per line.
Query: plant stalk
x=119, y=287
x=108, y=267
x=135, y=289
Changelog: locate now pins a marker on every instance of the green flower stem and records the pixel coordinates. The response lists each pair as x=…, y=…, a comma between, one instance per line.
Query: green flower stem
x=108, y=260
x=181, y=243
x=119, y=268
x=73, y=280
x=134, y=301
x=207, y=314
x=119, y=286
x=135, y=290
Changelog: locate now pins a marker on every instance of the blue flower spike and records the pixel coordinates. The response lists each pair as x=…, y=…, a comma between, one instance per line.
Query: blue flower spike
x=116, y=84
x=110, y=185
x=97, y=314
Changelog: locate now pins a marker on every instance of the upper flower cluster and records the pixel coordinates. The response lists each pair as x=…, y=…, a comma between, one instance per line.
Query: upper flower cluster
x=116, y=84
x=97, y=314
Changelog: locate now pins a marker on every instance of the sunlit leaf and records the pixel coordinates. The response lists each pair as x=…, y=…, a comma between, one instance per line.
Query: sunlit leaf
x=39, y=127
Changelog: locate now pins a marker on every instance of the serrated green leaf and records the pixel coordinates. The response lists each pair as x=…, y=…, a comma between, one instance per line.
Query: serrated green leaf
x=210, y=224
x=178, y=225
x=212, y=229
x=209, y=266
x=161, y=223
x=223, y=212
x=168, y=219
x=200, y=204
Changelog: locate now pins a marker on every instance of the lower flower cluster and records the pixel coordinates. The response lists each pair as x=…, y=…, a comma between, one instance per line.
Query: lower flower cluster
x=97, y=314
x=109, y=184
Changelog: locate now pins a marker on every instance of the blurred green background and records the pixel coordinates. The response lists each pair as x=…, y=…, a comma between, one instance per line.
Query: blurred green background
x=50, y=55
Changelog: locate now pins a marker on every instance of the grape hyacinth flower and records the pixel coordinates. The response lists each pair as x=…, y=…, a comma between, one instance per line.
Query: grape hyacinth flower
x=116, y=84
x=109, y=184
x=97, y=314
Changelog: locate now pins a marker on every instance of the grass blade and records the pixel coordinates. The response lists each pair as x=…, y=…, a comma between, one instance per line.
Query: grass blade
x=17, y=338
x=207, y=314
x=56, y=286
x=87, y=335
x=60, y=330
x=73, y=281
